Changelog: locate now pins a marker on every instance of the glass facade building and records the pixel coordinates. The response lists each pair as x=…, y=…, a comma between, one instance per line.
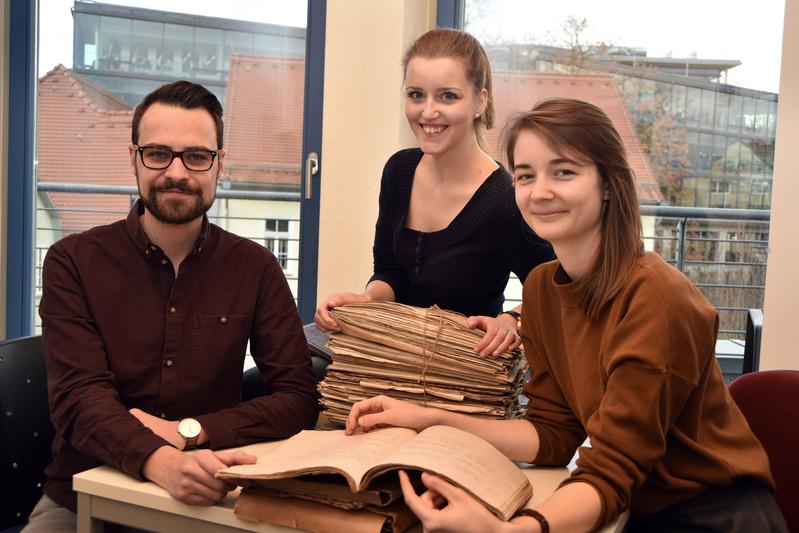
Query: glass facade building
x=711, y=143
x=131, y=51
x=728, y=133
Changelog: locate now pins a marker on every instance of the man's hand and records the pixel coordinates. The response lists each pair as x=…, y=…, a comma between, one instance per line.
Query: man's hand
x=189, y=477
x=166, y=429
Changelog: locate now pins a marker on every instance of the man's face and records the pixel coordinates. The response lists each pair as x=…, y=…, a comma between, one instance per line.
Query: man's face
x=175, y=194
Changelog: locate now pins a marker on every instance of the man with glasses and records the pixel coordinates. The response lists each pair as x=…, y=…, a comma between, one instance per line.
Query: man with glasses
x=146, y=322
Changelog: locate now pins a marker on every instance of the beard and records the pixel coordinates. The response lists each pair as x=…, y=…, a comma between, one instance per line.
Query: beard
x=176, y=211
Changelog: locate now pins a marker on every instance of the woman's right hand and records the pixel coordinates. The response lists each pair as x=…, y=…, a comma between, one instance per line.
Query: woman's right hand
x=384, y=411
x=324, y=320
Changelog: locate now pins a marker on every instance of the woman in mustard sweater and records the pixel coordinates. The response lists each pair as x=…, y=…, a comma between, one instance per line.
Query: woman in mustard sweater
x=622, y=350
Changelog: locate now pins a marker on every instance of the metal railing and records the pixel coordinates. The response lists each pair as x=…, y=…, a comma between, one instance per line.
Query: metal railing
x=723, y=251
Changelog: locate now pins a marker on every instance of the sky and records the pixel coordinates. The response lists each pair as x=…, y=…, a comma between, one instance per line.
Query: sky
x=750, y=32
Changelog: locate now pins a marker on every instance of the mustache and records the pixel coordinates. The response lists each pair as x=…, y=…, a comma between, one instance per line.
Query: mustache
x=181, y=185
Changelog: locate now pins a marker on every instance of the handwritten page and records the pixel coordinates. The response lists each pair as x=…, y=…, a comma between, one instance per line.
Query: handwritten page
x=470, y=462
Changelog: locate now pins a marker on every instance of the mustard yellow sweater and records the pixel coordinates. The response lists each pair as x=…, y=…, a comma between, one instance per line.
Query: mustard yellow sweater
x=642, y=382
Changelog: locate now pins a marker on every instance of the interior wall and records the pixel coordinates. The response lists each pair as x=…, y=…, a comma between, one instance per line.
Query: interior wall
x=779, y=343
x=363, y=124
x=4, y=35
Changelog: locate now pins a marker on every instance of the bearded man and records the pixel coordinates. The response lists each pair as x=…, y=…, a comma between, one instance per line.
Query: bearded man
x=146, y=322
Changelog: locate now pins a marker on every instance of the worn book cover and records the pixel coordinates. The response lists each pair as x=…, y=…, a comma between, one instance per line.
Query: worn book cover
x=362, y=459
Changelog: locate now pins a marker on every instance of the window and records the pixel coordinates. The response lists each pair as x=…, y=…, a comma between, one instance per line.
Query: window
x=277, y=240
x=698, y=110
x=123, y=53
x=720, y=186
x=720, y=193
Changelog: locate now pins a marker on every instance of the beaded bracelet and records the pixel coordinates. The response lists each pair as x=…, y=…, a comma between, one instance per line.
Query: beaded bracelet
x=532, y=513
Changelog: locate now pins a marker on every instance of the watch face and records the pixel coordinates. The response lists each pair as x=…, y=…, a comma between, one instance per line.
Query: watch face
x=189, y=428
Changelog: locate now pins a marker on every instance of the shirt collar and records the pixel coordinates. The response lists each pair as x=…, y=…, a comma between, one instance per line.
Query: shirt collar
x=143, y=242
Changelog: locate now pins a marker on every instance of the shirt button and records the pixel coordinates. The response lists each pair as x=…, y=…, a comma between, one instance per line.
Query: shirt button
x=164, y=261
x=200, y=249
x=153, y=247
x=169, y=362
x=223, y=319
x=172, y=310
x=163, y=415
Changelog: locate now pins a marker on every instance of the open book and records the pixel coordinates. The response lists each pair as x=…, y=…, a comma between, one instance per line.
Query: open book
x=460, y=457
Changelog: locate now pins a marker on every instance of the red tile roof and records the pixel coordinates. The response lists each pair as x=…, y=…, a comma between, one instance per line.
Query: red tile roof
x=84, y=131
x=518, y=91
x=263, y=119
x=83, y=136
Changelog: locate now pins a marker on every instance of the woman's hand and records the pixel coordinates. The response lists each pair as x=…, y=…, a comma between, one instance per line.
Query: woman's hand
x=384, y=411
x=324, y=320
x=444, y=507
x=500, y=335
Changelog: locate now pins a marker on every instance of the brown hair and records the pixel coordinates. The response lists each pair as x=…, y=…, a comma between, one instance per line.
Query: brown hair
x=183, y=94
x=446, y=42
x=585, y=131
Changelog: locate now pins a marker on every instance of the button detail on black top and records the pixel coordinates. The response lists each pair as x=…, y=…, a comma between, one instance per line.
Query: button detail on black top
x=223, y=319
x=169, y=362
x=172, y=310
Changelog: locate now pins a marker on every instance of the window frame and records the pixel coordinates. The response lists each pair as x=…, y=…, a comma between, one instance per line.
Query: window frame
x=20, y=205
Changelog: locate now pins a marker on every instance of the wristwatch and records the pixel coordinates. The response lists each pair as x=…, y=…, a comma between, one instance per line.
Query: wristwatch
x=517, y=316
x=189, y=429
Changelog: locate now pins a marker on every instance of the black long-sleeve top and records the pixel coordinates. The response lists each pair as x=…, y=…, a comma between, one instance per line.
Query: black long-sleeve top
x=465, y=266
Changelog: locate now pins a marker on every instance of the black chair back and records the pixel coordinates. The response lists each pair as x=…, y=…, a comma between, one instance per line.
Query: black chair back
x=754, y=329
x=26, y=431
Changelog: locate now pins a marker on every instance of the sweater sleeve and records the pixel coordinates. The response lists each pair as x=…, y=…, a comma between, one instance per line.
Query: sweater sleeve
x=559, y=431
x=386, y=266
x=653, y=360
x=84, y=404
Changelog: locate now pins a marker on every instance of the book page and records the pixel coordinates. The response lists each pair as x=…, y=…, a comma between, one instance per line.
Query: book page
x=324, y=451
x=468, y=461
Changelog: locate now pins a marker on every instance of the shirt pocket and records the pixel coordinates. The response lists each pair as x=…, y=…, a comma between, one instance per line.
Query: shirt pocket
x=218, y=343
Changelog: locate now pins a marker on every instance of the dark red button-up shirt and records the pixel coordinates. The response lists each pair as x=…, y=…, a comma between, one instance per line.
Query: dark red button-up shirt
x=121, y=331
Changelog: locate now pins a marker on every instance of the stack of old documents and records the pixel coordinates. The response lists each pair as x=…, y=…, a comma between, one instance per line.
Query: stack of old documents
x=425, y=356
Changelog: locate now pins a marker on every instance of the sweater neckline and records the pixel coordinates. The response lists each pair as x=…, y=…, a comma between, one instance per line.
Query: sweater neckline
x=467, y=219
x=570, y=291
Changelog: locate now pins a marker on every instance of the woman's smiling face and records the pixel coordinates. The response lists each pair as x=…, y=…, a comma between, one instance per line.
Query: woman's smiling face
x=441, y=103
x=559, y=195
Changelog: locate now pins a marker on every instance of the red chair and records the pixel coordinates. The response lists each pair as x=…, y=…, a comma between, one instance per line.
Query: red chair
x=770, y=402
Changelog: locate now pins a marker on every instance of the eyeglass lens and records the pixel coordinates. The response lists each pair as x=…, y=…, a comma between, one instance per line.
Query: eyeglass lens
x=157, y=158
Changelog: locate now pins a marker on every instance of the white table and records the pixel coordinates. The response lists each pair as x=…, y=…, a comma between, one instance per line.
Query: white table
x=106, y=494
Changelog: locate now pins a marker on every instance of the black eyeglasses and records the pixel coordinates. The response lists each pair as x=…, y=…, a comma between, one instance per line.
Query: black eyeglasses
x=160, y=157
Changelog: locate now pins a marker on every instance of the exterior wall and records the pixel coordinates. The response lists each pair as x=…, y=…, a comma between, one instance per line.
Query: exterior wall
x=779, y=345
x=364, y=124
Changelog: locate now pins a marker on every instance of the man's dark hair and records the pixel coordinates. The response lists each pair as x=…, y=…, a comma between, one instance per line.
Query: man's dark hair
x=183, y=94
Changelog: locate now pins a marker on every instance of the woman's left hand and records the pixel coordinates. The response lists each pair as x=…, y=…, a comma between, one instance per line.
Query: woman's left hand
x=444, y=507
x=500, y=335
